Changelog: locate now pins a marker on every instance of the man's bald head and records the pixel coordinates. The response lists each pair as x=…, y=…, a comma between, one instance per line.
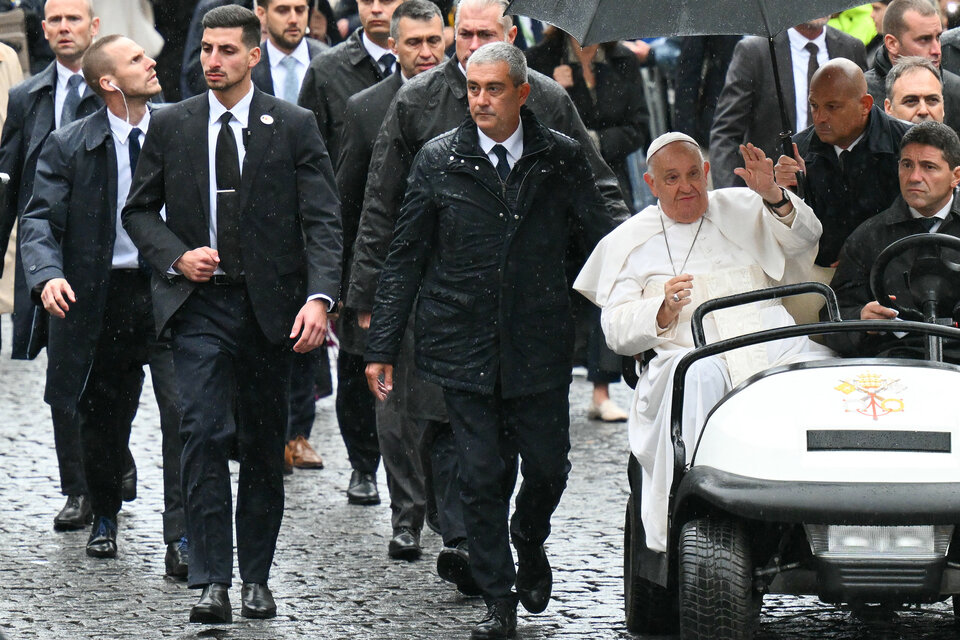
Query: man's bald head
x=843, y=76
x=839, y=102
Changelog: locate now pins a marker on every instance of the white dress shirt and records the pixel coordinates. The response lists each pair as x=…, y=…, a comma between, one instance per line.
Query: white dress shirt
x=278, y=72
x=513, y=145
x=124, y=251
x=940, y=215
x=60, y=95
x=801, y=58
x=376, y=52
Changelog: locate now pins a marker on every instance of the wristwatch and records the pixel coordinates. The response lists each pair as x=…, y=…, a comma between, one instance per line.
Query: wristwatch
x=783, y=201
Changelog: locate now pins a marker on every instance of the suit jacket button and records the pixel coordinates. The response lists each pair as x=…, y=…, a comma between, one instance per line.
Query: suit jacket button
x=33, y=268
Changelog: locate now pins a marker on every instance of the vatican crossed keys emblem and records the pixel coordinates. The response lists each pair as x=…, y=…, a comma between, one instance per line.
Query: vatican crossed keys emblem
x=869, y=401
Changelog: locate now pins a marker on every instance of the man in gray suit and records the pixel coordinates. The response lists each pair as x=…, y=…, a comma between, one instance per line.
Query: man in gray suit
x=748, y=110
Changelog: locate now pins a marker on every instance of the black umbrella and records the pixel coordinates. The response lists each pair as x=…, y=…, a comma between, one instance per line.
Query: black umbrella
x=591, y=21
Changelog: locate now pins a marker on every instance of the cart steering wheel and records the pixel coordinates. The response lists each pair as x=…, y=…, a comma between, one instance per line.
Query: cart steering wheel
x=919, y=276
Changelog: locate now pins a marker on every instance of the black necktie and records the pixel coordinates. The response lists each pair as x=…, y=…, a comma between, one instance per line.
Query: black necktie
x=503, y=167
x=812, y=66
x=927, y=223
x=71, y=101
x=386, y=64
x=844, y=159
x=227, y=164
x=134, y=142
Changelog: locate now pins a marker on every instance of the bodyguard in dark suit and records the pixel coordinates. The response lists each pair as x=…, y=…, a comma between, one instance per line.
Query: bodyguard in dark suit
x=748, y=111
x=242, y=268
x=359, y=62
x=929, y=173
x=285, y=57
x=36, y=107
x=849, y=156
x=191, y=73
x=84, y=270
x=287, y=52
x=482, y=238
x=416, y=37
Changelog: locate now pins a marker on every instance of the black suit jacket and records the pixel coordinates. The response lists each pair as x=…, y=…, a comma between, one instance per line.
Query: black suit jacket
x=261, y=75
x=68, y=231
x=334, y=76
x=365, y=112
x=747, y=110
x=30, y=119
x=291, y=247
x=851, y=282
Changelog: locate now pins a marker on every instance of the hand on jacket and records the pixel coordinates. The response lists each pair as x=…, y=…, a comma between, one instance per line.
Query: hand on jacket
x=198, y=265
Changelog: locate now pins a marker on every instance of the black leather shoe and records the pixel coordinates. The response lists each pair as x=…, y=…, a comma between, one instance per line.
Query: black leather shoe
x=363, y=489
x=500, y=622
x=128, y=486
x=76, y=514
x=405, y=544
x=103, y=538
x=257, y=601
x=534, y=578
x=177, y=559
x=453, y=565
x=213, y=606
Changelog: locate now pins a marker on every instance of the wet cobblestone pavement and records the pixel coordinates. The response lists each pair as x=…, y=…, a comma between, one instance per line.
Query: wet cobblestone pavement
x=332, y=577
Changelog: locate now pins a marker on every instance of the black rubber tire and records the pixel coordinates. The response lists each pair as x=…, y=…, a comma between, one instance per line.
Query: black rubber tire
x=956, y=609
x=716, y=594
x=650, y=609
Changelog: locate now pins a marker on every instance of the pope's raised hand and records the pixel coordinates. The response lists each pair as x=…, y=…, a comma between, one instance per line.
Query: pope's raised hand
x=757, y=173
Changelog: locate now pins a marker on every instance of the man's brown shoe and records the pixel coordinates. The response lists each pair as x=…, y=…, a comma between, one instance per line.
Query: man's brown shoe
x=288, y=458
x=304, y=456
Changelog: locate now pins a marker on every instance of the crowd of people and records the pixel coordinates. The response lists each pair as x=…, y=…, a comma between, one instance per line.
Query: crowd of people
x=220, y=189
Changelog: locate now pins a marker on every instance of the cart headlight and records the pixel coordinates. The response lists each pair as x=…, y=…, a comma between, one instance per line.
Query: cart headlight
x=854, y=541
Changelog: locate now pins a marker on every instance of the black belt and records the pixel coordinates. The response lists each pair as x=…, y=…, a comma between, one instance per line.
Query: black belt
x=225, y=281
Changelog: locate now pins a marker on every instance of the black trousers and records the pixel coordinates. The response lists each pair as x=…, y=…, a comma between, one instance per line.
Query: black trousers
x=356, y=413
x=303, y=408
x=66, y=441
x=442, y=478
x=233, y=386
x=490, y=431
x=109, y=401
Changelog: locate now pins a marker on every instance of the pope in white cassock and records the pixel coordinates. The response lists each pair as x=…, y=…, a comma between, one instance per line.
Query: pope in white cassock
x=652, y=271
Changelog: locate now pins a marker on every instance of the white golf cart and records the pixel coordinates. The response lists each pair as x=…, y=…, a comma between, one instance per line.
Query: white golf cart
x=836, y=478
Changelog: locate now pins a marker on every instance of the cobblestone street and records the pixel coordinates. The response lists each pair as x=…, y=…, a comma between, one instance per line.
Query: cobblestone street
x=332, y=577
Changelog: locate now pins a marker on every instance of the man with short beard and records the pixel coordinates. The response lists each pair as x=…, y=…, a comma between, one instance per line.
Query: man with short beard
x=287, y=51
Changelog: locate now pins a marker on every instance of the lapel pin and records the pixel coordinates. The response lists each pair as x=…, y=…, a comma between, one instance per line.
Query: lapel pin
x=266, y=119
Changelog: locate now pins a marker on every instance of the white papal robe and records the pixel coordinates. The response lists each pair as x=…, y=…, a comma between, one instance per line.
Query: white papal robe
x=742, y=246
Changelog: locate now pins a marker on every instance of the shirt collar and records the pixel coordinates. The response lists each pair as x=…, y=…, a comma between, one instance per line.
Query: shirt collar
x=301, y=54
x=240, y=111
x=850, y=146
x=798, y=42
x=63, y=75
x=942, y=214
x=513, y=144
x=121, y=130
x=373, y=49
x=462, y=68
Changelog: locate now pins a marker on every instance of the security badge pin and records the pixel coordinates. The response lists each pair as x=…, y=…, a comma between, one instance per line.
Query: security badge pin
x=266, y=119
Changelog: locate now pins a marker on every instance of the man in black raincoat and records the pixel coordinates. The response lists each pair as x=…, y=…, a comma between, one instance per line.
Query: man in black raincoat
x=481, y=238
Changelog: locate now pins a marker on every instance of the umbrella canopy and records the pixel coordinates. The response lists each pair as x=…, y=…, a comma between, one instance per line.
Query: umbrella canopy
x=591, y=21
